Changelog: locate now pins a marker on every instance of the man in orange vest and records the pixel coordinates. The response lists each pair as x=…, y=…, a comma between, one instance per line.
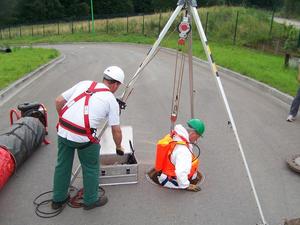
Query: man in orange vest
x=175, y=162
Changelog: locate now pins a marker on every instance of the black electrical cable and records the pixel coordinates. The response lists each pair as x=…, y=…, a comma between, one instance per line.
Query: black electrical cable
x=74, y=202
x=44, y=214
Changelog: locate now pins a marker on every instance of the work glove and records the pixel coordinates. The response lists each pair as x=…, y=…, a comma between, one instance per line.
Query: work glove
x=120, y=150
x=193, y=187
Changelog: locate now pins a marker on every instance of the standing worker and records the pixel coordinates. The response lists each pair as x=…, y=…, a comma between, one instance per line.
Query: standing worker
x=295, y=104
x=81, y=109
x=176, y=165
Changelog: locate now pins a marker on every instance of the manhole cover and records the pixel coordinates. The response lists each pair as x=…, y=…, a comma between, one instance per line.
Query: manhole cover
x=294, y=163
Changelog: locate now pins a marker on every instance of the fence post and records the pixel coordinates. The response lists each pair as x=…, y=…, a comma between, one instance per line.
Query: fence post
x=236, y=25
x=43, y=29
x=89, y=25
x=31, y=30
x=9, y=32
x=107, y=25
x=299, y=40
x=206, y=22
x=72, y=27
x=20, y=33
x=58, y=27
x=1, y=34
x=159, y=22
x=143, y=24
x=272, y=20
x=127, y=26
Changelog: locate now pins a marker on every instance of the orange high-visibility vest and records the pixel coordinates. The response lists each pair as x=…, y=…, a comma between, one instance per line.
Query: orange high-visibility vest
x=164, y=149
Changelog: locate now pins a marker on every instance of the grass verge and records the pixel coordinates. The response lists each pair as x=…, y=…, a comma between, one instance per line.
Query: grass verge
x=22, y=61
x=263, y=67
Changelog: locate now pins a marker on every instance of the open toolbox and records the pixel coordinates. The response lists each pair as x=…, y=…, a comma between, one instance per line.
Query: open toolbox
x=116, y=169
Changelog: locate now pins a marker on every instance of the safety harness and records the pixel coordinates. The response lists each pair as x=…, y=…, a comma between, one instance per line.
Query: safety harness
x=74, y=128
x=164, y=150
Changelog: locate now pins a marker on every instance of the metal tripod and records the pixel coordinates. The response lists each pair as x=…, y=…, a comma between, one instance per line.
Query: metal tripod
x=191, y=5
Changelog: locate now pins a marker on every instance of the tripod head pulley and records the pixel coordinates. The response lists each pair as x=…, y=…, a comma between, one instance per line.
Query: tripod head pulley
x=192, y=3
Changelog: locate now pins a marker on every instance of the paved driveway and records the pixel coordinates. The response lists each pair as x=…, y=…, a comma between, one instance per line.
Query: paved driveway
x=226, y=197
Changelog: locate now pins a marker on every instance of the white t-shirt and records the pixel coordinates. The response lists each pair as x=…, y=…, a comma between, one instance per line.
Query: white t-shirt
x=181, y=157
x=102, y=105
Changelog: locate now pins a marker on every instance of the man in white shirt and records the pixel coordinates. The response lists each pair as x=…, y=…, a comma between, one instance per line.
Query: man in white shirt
x=81, y=109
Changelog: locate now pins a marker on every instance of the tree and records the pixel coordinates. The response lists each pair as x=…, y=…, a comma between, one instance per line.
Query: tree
x=106, y=7
x=162, y=5
x=7, y=14
x=76, y=8
x=37, y=10
x=143, y=6
x=291, y=8
x=271, y=4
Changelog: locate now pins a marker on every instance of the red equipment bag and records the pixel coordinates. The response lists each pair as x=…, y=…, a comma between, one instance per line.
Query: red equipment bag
x=7, y=166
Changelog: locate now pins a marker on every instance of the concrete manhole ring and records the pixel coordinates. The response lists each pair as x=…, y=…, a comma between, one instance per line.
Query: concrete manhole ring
x=151, y=176
x=294, y=163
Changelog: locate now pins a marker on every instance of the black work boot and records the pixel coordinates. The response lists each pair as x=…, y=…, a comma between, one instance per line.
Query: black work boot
x=57, y=205
x=100, y=202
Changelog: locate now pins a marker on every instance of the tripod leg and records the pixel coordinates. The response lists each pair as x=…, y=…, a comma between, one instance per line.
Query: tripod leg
x=151, y=52
x=191, y=79
x=215, y=72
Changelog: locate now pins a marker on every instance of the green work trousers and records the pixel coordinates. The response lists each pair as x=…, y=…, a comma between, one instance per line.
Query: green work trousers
x=89, y=159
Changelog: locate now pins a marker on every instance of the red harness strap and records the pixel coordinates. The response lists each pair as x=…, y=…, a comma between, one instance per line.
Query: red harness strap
x=74, y=128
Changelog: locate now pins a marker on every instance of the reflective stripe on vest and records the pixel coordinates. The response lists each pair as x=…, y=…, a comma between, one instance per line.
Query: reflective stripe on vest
x=74, y=128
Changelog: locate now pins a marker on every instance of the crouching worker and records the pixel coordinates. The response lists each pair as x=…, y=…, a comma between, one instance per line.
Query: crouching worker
x=81, y=109
x=176, y=165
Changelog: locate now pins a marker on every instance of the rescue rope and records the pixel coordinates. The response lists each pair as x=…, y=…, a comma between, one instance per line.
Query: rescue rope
x=184, y=28
x=199, y=151
x=74, y=202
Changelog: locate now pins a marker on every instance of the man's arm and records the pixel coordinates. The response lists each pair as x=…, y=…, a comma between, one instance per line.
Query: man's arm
x=117, y=135
x=59, y=103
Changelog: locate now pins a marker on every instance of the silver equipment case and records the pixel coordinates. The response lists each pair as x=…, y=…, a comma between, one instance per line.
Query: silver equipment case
x=116, y=169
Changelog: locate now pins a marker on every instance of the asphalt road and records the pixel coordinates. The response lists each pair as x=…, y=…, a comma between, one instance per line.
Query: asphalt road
x=226, y=197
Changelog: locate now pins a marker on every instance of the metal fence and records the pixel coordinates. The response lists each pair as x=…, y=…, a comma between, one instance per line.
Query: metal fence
x=234, y=25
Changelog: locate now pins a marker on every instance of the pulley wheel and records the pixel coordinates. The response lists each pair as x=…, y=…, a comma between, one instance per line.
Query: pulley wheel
x=294, y=163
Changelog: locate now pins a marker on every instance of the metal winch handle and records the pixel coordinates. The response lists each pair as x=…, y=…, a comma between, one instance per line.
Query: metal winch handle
x=131, y=147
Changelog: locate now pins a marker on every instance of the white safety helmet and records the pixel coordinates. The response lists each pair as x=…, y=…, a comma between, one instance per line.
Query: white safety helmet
x=115, y=73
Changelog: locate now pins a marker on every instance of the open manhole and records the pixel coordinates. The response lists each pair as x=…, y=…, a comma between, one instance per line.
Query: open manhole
x=151, y=176
x=294, y=163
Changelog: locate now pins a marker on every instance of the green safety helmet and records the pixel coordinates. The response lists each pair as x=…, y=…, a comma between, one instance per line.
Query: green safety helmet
x=197, y=125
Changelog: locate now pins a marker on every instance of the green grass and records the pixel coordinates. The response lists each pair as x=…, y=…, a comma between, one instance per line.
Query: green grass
x=263, y=67
x=22, y=61
x=266, y=68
